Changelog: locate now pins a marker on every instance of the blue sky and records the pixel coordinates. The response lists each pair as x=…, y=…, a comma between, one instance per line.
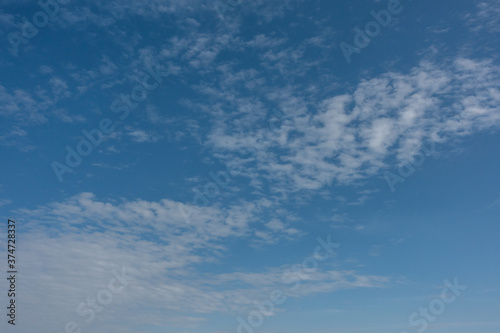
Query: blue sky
x=336, y=160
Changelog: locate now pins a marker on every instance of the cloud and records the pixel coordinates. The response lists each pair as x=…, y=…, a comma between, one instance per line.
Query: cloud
x=22, y=105
x=487, y=17
x=275, y=231
x=5, y=202
x=355, y=135
x=70, y=249
x=143, y=136
x=65, y=116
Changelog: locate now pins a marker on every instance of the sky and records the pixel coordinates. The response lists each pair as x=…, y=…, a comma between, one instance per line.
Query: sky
x=225, y=166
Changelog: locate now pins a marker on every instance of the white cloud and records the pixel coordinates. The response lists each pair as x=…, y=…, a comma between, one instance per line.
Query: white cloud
x=69, y=249
x=22, y=105
x=353, y=136
x=143, y=136
x=65, y=116
x=487, y=17
x=4, y=202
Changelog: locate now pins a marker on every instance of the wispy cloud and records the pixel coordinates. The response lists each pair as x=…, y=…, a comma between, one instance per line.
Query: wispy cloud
x=71, y=247
x=354, y=135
